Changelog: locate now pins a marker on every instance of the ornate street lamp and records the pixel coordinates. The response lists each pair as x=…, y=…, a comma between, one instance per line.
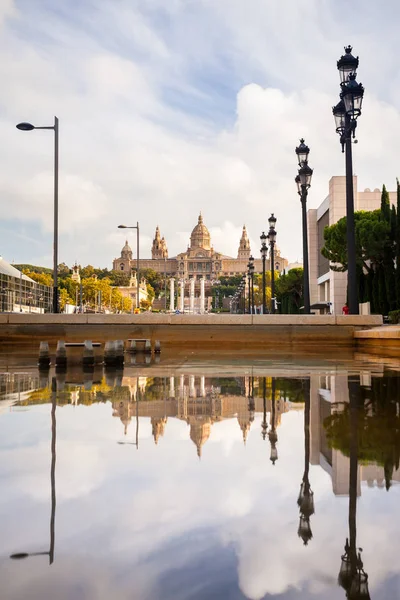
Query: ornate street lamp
x=303, y=181
x=347, y=64
x=271, y=239
x=345, y=114
x=264, y=252
x=251, y=284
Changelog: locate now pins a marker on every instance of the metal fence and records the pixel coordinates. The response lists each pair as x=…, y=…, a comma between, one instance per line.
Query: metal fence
x=19, y=295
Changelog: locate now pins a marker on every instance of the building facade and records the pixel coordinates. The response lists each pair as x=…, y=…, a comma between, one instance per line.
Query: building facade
x=327, y=285
x=199, y=261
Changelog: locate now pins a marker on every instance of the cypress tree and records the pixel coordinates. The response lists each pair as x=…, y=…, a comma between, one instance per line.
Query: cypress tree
x=387, y=285
x=397, y=246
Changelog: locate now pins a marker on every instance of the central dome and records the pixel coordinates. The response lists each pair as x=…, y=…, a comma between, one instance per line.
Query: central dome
x=200, y=237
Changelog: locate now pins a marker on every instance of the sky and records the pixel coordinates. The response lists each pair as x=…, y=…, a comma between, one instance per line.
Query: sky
x=170, y=108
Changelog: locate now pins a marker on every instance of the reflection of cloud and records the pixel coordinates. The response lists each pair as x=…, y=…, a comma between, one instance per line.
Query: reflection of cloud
x=154, y=514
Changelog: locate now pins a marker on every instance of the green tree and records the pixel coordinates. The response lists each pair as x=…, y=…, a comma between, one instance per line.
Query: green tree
x=289, y=292
x=42, y=278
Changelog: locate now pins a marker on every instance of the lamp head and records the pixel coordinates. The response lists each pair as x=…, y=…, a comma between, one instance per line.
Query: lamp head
x=302, y=152
x=347, y=64
x=25, y=126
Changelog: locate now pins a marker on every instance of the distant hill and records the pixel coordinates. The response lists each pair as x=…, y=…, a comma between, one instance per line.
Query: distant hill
x=34, y=269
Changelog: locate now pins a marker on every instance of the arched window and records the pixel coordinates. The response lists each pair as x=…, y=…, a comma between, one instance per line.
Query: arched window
x=122, y=266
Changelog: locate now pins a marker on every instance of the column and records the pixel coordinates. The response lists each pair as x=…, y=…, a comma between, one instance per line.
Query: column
x=172, y=294
x=191, y=299
x=192, y=389
x=182, y=386
x=202, y=386
x=172, y=387
x=182, y=295
x=202, y=295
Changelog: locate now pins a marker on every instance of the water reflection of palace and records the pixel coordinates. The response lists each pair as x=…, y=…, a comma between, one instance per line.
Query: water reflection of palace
x=196, y=400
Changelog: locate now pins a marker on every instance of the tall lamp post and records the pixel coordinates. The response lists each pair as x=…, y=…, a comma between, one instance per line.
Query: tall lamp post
x=30, y=127
x=250, y=266
x=303, y=180
x=264, y=252
x=249, y=286
x=346, y=113
x=137, y=258
x=271, y=239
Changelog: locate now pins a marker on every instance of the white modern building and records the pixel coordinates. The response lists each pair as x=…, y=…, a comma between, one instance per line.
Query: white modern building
x=327, y=285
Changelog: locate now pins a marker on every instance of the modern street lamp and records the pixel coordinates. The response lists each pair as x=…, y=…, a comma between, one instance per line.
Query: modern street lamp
x=346, y=113
x=137, y=258
x=271, y=237
x=264, y=252
x=303, y=181
x=55, y=128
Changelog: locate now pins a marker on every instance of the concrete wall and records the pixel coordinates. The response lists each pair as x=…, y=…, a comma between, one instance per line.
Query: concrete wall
x=215, y=331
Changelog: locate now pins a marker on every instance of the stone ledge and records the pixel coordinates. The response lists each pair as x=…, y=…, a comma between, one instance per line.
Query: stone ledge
x=386, y=332
x=360, y=320
x=294, y=320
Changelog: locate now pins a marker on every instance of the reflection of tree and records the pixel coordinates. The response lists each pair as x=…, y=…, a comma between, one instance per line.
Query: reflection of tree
x=291, y=389
x=378, y=425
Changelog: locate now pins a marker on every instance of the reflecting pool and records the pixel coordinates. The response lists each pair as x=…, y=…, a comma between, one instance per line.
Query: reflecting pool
x=201, y=479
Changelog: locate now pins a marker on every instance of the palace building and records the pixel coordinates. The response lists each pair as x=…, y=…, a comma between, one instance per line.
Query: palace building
x=200, y=260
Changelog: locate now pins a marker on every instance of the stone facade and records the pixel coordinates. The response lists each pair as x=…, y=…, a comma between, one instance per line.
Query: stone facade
x=199, y=261
x=327, y=285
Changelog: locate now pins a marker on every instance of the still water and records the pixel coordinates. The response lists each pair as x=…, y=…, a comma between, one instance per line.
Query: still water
x=201, y=479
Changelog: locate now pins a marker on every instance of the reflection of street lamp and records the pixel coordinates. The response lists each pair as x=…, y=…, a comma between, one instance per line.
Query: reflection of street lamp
x=135, y=443
x=30, y=127
x=264, y=425
x=50, y=552
x=352, y=576
x=305, y=500
x=273, y=436
x=251, y=405
x=137, y=258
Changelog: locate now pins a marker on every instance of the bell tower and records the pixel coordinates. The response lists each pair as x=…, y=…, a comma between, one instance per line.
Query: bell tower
x=159, y=248
x=244, y=246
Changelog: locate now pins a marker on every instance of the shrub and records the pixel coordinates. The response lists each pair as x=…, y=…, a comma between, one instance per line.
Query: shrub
x=394, y=317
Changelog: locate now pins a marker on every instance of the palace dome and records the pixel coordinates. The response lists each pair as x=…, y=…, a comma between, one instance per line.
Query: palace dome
x=200, y=237
x=126, y=251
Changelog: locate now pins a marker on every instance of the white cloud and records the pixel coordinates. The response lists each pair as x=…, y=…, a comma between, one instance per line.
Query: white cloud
x=140, y=89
